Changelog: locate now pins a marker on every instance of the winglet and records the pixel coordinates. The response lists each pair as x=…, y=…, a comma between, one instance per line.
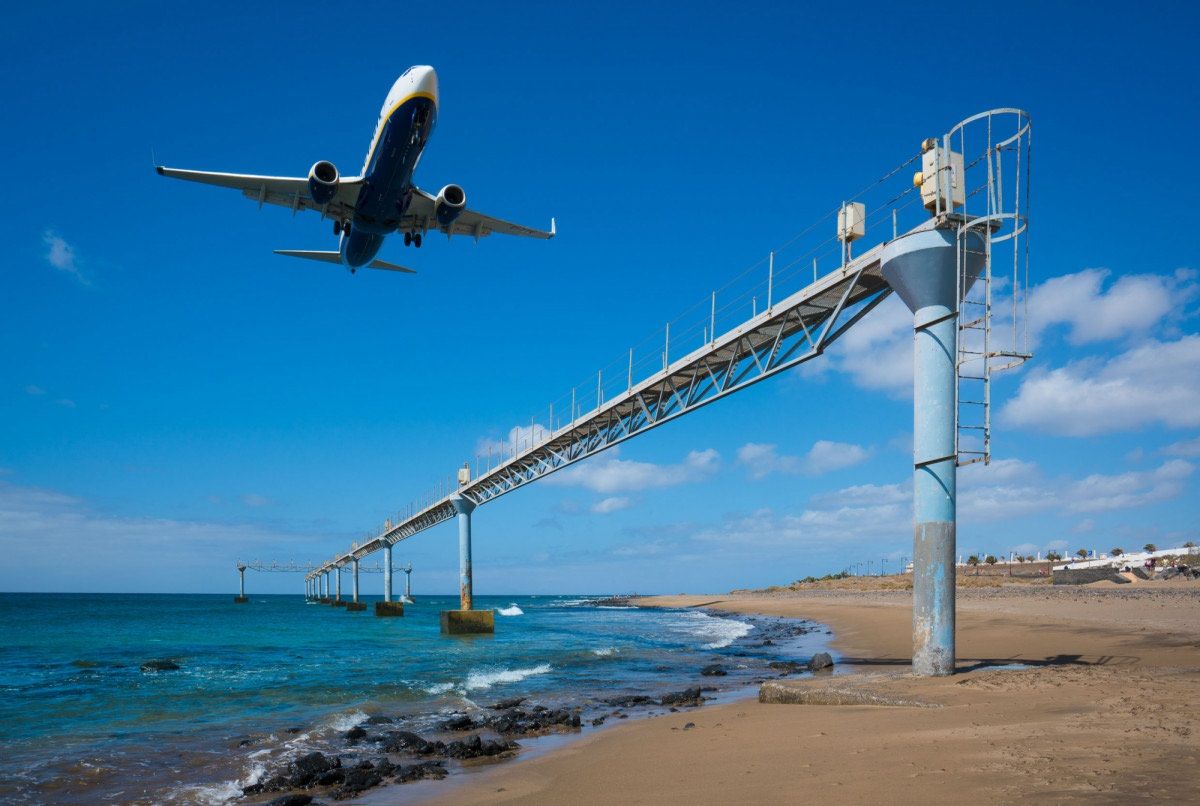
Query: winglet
x=553, y=228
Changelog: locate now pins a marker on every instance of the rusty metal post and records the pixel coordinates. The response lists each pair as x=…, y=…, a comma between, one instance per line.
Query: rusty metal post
x=922, y=267
x=464, y=508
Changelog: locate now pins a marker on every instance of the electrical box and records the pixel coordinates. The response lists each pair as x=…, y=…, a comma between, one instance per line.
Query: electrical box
x=941, y=178
x=852, y=222
x=464, y=475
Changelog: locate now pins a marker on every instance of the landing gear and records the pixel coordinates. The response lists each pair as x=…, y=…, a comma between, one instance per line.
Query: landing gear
x=417, y=240
x=346, y=227
x=337, y=227
x=412, y=239
x=408, y=239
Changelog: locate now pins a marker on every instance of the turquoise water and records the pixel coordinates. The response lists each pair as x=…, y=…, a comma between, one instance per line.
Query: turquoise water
x=81, y=722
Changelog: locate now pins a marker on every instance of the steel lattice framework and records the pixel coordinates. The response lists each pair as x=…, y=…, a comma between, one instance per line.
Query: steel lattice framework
x=790, y=332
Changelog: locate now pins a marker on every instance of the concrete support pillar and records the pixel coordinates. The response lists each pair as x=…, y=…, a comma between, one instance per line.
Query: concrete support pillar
x=408, y=583
x=241, y=597
x=464, y=508
x=465, y=620
x=922, y=268
x=354, y=605
x=338, y=577
x=387, y=573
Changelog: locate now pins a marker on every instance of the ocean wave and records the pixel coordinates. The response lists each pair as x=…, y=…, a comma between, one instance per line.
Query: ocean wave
x=218, y=794
x=344, y=722
x=605, y=651
x=478, y=680
x=439, y=688
x=716, y=632
x=616, y=607
x=511, y=610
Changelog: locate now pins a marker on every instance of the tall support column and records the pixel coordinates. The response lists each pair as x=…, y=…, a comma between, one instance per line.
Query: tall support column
x=354, y=605
x=464, y=508
x=387, y=607
x=387, y=573
x=466, y=619
x=408, y=582
x=338, y=582
x=241, y=597
x=922, y=268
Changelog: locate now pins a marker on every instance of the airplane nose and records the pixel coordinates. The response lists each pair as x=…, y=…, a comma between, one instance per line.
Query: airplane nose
x=425, y=79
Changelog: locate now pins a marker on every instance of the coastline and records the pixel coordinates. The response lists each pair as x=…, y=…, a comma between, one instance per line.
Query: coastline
x=1062, y=694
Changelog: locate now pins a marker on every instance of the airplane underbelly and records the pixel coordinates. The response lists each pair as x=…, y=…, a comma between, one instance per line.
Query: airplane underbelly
x=360, y=248
x=388, y=176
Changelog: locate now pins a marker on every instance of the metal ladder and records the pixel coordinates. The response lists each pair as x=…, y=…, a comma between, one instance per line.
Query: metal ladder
x=973, y=365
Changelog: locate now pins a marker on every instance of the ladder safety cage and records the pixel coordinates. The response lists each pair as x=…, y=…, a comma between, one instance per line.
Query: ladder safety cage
x=995, y=211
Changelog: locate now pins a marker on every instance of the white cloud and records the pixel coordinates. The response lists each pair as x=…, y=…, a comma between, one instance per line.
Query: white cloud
x=520, y=438
x=877, y=352
x=1101, y=493
x=66, y=403
x=1153, y=383
x=61, y=255
x=256, y=500
x=612, y=504
x=1188, y=447
x=608, y=473
x=31, y=389
x=38, y=524
x=825, y=456
x=1131, y=305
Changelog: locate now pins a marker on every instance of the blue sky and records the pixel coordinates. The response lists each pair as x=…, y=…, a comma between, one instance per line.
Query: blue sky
x=173, y=396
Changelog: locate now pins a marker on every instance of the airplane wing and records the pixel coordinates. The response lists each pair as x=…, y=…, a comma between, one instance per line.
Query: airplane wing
x=420, y=215
x=285, y=191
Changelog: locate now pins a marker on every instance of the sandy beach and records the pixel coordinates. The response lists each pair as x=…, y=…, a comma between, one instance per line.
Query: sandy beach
x=1102, y=706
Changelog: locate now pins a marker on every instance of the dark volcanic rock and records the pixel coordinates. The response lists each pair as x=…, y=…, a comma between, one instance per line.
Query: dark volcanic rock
x=276, y=783
x=689, y=697
x=416, y=772
x=313, y=768
x=628, y=700
x=504, y=705
x=357, y=781
x=476, y=746
x=403, y=741
x=355, y=734
x=598, y=721
x=611, y=601
x=292, y=800
x=516, y=722
x=160, y=666
x=380, y=720
x=713, y=670
x=787, y=666
x=458, y=722
x=821, y=660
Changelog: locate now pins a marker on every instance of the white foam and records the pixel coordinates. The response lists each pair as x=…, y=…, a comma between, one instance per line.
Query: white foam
x=344, y=722
x=222, y=793
x=715, y=631
x=477, y=680
x=511, y=610
x=604, y=652
x=439, y=688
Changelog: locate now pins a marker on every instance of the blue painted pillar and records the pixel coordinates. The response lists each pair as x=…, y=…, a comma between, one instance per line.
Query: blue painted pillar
x=922, y=268
x=355, y=584
x=464, y=508
x=387, y=573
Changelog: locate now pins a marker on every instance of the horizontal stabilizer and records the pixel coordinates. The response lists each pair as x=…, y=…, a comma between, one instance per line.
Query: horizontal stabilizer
x=336, y=257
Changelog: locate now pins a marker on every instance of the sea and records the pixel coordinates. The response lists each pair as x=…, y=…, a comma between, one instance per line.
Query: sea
x=259, y=684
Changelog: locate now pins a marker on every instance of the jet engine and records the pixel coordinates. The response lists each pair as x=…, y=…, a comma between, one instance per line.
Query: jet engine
x=451, y=201
x=322, y=182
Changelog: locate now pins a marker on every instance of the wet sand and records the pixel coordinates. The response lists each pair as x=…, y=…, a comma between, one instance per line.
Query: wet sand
x=1105, y=710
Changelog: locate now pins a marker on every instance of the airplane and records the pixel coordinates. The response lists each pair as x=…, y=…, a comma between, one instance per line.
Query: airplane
x=382, y=199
